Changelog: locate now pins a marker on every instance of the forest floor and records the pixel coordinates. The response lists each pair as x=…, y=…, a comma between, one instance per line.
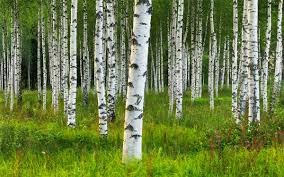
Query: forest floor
x=204, y=143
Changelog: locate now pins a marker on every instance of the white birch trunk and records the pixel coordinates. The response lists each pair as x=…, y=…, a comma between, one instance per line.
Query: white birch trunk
x=266, y=58
x=254, y=105
x=73, y=66
x=235, y=61
x=178, y=71
x=111, y=82
x=99, y=65
x=43, y=58
x=132, y=144
x=279, y=58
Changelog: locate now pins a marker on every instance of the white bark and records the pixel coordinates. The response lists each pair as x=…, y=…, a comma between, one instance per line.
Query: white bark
x=132, y=145
x=111, y=60
x=178, y=71
x=266, y=58
x=235, y=61
x=65, y=58
x=99, y=66
x=73, y=66
x=254, y=105
x=212, y=57
x=244, y=69
x=279, y=58
x=43, y=58
x=85, y=61
x=39, y=59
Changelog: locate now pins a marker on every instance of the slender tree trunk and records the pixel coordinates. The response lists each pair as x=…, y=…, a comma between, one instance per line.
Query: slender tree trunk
x=245, y=64
x=38, y=59
x=65, y=58
x=132, y=145
x=44, y=70
x=266, y=58
x=73, y=66
x=111, y=60
x=99, y=65
x=212, y=57
x=55, y=62
x=85, y=57
x=254, y=105
x=279, y=58
x=235, y=61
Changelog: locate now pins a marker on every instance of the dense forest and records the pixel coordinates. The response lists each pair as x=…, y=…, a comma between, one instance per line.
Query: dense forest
x=82, y=80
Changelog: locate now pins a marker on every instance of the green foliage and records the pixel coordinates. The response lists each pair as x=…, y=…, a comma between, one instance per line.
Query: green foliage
x=204, y=143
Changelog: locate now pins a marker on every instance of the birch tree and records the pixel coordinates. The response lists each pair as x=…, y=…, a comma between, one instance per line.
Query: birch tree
x=212, y=57
x=279, y=58
x=178, y=71
x=111, y=59
x=254, y=105
x=73, y=66
x=43, y=46
x=85, y=61
x=99, y=66
x=39, y=58
x=265, y=61
x=235, y=61
x=132, y=144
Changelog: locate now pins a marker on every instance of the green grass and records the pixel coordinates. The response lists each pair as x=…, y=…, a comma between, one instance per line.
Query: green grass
x=204, y=143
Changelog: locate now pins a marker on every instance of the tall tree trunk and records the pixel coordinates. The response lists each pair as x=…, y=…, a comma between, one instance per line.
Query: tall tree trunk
x=235, y=61
x=111, y=60
x=132, y=144
x=38, y=59
x=55, y=62
x=266, y=58
x=279, y=58
x=44, y=70
x=65, y=58
x=178, y=71
x=254, y=105
x=212, y=57
x=73, y=66
x=99, y=65
x=244, y=69
x=85, y=57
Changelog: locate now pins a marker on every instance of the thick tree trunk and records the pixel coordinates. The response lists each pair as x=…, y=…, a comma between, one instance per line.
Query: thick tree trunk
x=132, y=145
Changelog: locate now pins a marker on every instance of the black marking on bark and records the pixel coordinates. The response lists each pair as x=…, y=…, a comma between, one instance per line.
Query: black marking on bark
x=134, y=66
x=139, y=117
x=132, y=108
x=130, y=84
x=136, y=15
x=135, y=42
x=129, y=127
x=101, y=106
x=139, y=99
x=146, y=2
x=149, y=11
x=145, y=73
x=136, y=136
